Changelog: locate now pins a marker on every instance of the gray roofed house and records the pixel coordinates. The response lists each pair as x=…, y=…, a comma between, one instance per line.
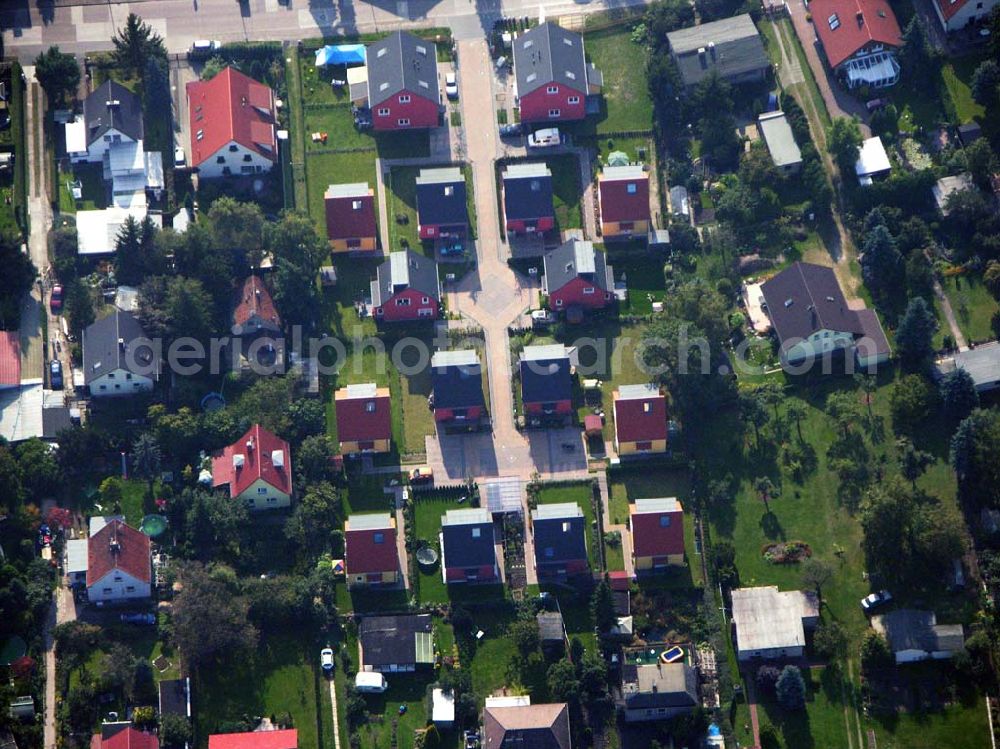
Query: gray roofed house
x=109, y=347
x=573, y=259
x=772, y=623
x=111, y=106
x=732, y=47
x=402, y=62
x=945, y=187
x=658, y=691
x=780, y=141
x=405, y=269
x=982, y=363
x=548, y=54
x=396, y=643
x=550, y=626
x=916, y=636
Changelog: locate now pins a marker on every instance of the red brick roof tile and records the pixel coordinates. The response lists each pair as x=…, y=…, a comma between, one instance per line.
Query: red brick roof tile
x=641, y=419
x=231, y=107
x=258, y=462
x=650, y=538
x=284, y=739
x=118, y=546
x=861, y=22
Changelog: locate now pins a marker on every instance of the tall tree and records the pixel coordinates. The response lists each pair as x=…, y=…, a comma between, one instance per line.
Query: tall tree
x=147, y=459
x=298, y=253
x=602, y=607
x=912, y=461
x=915, y=334
x=958, y=395
x=58, y=73
x=916, y=54
x=765, y=490
x=79, y=307
x=238, y=226
x=315, y=519
x=843, y=137
x=790, y=689
x=881, y=263
x=135, y=42
x=752, y=411
x=796, y=412
x=986, y=83
x=867, y=384
x=188, y=309
x=975, y=456
x=843, y=408
x=815, y=574
x=19, y=273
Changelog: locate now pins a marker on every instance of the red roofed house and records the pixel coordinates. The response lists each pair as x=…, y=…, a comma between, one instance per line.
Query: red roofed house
x=118, y=564
x=255, y=312
x=122, y=735
x=860, y=38
x=364, y=423
x=657, y=533
x=370, y=551
x=257, y=468
x=10, y=359
x=640, y=420
x=623, y=193
x=287, y=738
x=233, y=125
x=957, y=14
x=350, y=217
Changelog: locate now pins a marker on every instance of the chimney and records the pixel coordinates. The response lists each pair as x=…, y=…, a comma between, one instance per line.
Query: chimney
x=861, y=19
x=702, y=59
x=711, y=49
x=250, y=445
x=121, y=344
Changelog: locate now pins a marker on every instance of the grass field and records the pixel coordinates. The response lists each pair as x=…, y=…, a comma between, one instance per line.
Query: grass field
x=401, y=185
x=973, y=306
x=566, y=191
x=643, y=277
x=627, y=104
x=579, y=494
x=428, y=511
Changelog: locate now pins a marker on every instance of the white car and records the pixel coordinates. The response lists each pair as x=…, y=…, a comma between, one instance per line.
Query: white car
x=204, y=48
x=326, y=660
x=545, y=138
x=875, y=600
x=451, y=86
x=179, y=158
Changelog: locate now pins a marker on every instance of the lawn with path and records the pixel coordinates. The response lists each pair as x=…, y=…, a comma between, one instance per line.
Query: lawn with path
x=973, y=305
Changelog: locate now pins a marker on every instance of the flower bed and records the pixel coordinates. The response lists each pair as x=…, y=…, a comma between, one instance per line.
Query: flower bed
x=786, y=552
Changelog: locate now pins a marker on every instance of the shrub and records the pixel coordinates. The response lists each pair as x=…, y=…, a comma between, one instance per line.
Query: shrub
x=790, y=689
x=767, y=677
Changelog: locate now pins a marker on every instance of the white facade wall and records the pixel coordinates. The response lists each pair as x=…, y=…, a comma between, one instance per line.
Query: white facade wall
x=97, y=149
x=118, y=383
x=236, y=161
x=819, y=343
x=260, y=495
x=768, y=653
x=971, y=12
x=117, y=585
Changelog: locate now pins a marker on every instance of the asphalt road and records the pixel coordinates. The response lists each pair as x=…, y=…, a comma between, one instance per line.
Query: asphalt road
x=29, y=26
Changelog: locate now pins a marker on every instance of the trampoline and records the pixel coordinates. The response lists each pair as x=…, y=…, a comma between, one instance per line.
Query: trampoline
x=153, y=525
x=212, y=402
x=427, y=557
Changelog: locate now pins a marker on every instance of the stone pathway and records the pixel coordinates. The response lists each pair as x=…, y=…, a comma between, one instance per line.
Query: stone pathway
x=949, y=316
x=336, y=722
x=609, y=527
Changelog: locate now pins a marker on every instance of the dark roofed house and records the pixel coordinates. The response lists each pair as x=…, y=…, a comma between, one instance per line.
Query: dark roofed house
x=371, y=556
x=551, y=76
x=390, y=644
x=113, y=111
x=560, y=533
x=860, y=38
x=551, y=632
x=982, y=364
x=403, y=88
x=812, y=318
x=406, y=288
x=916, y=636
x=364, y=421
x=527, y=727
x=658, y=691
x=577, y=275
x=350, y=217
x=175, y=697
x=458, y=388
x=623, y=195
x=468, y=553
x=118, y=358
x=546, y=383
x=527, y=198
x=731, y=47
x=441, y=203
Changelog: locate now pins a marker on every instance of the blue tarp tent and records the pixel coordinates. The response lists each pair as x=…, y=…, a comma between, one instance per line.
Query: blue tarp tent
x=340, y=54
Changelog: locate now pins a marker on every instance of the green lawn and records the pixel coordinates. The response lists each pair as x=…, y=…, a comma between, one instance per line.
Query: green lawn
x=579, y=494
x=956, y=727
x=404, y=689
x=626, y=101
x=566, y=191
x=282, y=675
x=325, y=169
x=401, y=186
x=972, y=304
x=821, y=724
x=643, y=276
x=639, y=481
x=956, y=75
x=428, y=511
x=337, y=121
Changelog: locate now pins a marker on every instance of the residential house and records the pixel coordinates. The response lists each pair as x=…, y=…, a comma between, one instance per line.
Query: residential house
x=640, y=420
x=22, y=708
x=112, y=115
x=285, y=738
x=527, y=198
x=364, y=418
x=982, y=364
x=560, y=533
x=123, y=735
x=812, y=319
x=97, y=230
x=257, y=469
x=255, y=315
x=945, y=187
x=371, y=556
x=468, y=549
x=77, y=560
x=233, y=125
x=577, y=275
x=860, y=39
x=118, y=358
x=657, y=533
x=916, y=636
x=657, y=691
x=520, y=726
x=956, y=15
x=551, y=76
x=873, y=162
x=546, y=383
x=403, y=90
x=730, y=47
x=118, y=564
x=406, y=288
x=623, y=198
x=392, y=644
x=771, y=623
x=442, y=210
x=780, y=142
x=350, y=217
x=458, y=398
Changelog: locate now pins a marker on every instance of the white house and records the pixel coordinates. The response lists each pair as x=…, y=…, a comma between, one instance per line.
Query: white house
x=118, y=564
x=772, y=623
x=111, y=115
x=118, y=358
x=916, y=636
x=957, y=14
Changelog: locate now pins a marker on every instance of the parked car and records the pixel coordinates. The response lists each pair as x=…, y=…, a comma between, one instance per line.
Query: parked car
x=56, y=298
x=875, y=600
x=203, y=48
x=872, y=104
x=326, y=660
x=545, y=138
x=542, y=317
x=422, y=475
x=454, y=247
x=55, y=375
x=179, y=158
x=451, y=86
x=370, y=681
x=146, y=618
x=511, y=130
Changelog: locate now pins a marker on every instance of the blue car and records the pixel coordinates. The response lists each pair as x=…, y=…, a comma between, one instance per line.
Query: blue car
x=55, y=375
x=452, y=248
